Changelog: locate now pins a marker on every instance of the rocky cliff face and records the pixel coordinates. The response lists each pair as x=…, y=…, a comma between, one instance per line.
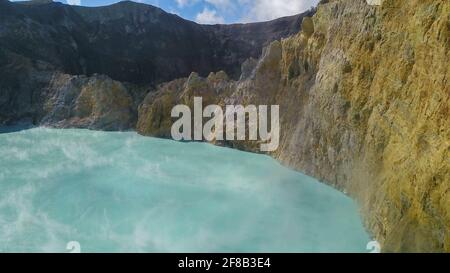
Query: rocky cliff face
x=131, y=42
x=96, y=103
x=128, y=42
x=364, y=100
x=375, y=119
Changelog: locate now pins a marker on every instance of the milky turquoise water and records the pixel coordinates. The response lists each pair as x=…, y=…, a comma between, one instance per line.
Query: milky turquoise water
x=121, y=192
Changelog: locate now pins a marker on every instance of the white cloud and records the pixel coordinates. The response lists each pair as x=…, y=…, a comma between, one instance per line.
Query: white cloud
x=184, y=3
x=74, y=2
x=216, y=3
x=208, y=16
x=262, y=10
x=221, y=4
x=221, y=11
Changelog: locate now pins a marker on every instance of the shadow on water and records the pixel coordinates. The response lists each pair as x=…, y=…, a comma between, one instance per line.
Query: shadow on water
x=4, y=129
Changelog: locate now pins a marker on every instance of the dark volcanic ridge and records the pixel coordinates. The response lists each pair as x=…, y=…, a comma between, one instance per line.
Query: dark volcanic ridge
x=129, y=41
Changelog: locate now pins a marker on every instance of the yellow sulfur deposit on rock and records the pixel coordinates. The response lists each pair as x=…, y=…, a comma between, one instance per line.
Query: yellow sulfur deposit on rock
x=375, y=114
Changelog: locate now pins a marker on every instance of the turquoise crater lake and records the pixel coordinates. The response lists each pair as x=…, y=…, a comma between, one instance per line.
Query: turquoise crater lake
x=121, y=192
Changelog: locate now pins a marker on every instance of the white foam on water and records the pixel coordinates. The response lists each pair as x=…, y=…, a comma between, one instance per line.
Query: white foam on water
x=120, y=192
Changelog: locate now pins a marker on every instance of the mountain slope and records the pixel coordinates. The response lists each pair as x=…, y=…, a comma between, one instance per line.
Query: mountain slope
x=127, y=41
x=131, y=42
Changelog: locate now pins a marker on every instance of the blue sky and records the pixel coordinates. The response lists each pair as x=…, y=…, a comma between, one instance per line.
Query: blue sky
x=220, y=11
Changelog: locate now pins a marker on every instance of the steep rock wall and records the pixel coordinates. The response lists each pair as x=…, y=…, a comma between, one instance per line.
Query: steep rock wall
x=375, y=122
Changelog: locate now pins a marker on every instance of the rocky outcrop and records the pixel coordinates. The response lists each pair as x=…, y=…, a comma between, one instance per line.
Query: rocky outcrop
x=155, y=111
x=364, y=102
x=80, y=102
x=33, y=93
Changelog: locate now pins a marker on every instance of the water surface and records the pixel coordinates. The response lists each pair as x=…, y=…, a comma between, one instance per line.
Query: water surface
x=121, y=192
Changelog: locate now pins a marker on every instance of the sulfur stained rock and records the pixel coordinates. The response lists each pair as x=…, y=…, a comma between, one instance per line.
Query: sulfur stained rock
x=307, y=26
x=87, y=102
x=155, y=111
x=378, y=103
